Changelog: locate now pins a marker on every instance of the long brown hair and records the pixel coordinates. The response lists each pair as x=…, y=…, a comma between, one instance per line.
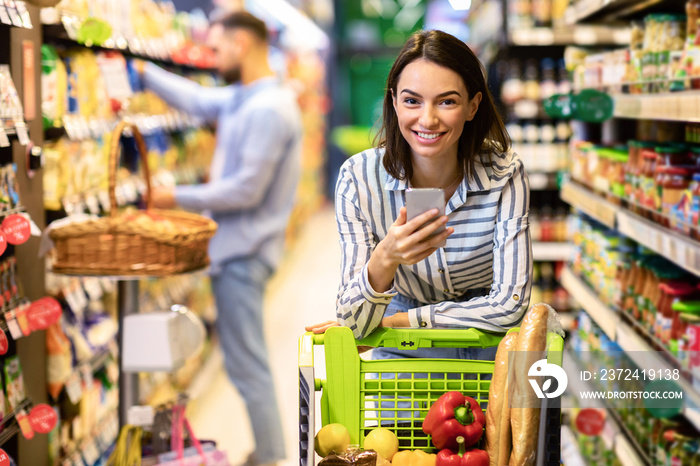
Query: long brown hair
x=449, y=52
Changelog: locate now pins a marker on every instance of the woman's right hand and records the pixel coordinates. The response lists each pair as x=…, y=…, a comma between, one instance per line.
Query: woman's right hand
x=406, y=243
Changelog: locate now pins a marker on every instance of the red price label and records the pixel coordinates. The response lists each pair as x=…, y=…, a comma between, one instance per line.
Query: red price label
x=4, y=458
x=590, y=421
x=43, y=313
x=16, y=229
x=4, y=346
x=3, y=247
x=43, y=418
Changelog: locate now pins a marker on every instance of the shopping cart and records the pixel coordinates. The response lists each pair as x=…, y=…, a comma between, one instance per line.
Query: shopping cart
x=353, y=394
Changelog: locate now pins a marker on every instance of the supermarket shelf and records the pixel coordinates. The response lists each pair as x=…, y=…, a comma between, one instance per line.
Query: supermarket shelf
x=615, y=435
x=680, y=106
x=633, y=344
x=57, y=33
x=597, y=10
x=8, y=426
x=579, y=35
x=607, y=319
x=550, y=252
x=675, y=247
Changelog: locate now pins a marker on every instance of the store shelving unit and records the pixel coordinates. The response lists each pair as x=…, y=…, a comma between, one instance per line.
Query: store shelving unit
x=607, y=10
x=680, y=106
x=639, y=349
x=551, y=251
x=677, y=248
x=614, y=435
x=578, y=35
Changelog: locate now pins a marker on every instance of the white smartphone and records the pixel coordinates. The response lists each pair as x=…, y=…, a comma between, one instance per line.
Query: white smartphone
x=420, y=200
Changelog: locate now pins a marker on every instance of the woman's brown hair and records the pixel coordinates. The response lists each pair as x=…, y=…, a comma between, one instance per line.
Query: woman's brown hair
x=449, y=52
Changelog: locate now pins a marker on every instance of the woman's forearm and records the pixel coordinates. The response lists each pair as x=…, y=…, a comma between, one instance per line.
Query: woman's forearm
x=380, y=271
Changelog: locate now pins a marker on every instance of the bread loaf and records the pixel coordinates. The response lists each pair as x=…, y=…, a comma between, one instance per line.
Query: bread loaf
x=498, y=432
x=525, y=411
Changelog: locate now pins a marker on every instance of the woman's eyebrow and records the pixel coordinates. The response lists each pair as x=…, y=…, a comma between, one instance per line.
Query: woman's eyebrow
x=444, y=94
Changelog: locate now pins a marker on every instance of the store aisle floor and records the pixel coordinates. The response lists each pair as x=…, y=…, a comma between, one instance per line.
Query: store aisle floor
x=302, y=292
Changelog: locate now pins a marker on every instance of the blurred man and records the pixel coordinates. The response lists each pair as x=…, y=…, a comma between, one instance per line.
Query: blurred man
x=250, y=194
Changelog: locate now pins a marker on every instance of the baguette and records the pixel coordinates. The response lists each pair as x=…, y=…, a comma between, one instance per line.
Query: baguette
x=525, y=414
x=498, y=439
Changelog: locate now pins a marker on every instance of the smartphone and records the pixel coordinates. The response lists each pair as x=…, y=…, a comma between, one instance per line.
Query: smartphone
x=420, y=200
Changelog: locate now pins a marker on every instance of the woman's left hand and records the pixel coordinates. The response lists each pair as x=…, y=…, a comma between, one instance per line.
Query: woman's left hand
x=398, y=320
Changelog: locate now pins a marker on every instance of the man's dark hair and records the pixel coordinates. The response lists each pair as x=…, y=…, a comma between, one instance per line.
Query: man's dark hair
x=243, y=20
x=487, y=126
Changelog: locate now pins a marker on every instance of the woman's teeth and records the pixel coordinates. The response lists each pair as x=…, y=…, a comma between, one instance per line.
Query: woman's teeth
x=428, y=135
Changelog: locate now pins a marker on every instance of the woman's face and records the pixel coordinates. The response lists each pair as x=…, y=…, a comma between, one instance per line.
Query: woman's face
x=432, y=105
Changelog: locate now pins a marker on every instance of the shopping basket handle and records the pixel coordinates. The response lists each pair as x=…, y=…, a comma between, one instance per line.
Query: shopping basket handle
x=412, y=338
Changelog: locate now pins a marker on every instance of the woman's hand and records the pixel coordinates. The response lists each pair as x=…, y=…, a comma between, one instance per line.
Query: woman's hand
x=398, y=320
x=405, y=243
x=322, y=327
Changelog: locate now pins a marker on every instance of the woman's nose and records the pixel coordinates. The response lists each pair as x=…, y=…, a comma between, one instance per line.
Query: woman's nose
x=428, y=117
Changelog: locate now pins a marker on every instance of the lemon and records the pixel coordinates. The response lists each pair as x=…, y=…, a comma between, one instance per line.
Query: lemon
x=383, y=441
x=331, y=438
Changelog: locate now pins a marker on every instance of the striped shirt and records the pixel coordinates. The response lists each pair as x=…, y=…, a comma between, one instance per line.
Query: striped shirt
x=490, y=247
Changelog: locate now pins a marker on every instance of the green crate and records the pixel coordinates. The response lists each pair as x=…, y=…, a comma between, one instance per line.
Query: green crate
x=350, y=393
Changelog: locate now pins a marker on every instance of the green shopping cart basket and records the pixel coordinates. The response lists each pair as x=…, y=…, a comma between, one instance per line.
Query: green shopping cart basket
x=356, y=390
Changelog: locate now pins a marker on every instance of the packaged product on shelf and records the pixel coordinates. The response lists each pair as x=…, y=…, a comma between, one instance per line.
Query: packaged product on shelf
x=14, y=382
x=54, y=83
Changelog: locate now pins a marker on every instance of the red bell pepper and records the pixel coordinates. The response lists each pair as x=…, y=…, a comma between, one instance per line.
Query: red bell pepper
x=454, y=415
x=471, y=457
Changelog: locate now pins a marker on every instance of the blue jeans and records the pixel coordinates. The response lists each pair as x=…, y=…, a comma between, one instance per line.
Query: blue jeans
x=239, y=288
x=401, y=303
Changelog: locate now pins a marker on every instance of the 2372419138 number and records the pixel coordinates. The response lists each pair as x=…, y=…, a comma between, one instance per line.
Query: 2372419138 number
x=637, y=374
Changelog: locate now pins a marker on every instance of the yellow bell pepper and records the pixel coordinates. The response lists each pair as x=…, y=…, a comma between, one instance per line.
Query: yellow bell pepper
x=413, y=458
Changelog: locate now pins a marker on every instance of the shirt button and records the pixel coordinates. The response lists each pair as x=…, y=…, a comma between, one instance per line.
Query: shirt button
x=423, y=324
x=516, y=297
x=441, y=271
x=446, y=290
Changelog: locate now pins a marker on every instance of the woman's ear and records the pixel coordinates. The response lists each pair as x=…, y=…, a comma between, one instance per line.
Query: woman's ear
x=474, y=106
x=393, y=98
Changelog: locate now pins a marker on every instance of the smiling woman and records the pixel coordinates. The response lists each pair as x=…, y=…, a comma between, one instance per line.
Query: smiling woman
x=440, y=130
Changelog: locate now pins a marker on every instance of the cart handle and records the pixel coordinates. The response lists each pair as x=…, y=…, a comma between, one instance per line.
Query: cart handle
x=404, y=338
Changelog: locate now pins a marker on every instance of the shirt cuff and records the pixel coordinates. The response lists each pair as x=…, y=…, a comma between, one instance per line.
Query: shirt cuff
x=420, y=317
x=370, y=294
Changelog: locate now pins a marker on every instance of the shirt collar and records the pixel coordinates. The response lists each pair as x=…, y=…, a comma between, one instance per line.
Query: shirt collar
x=480, y=181
x=257, y=85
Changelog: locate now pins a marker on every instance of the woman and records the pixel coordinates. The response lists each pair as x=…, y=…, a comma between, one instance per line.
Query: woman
x=440, y=130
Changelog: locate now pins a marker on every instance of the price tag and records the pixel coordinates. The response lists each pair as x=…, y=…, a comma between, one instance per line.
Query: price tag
x=14, y=14
x=74, y=388
x=43, y=313
x=4, y=140
x=4, y=15
x=4, y=458
x=43, y=418
x=21, y=130
x=24, y=425
x=590, y=421
x=24, y=14
x=4, y=343
x=22, y=319
x=16, y=228
x=13, y=325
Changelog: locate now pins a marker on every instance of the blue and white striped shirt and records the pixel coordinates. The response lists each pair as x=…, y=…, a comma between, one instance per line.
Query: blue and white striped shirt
x=490, y=247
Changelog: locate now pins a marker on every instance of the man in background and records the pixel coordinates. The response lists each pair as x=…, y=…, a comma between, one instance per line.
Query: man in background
x=250, y=194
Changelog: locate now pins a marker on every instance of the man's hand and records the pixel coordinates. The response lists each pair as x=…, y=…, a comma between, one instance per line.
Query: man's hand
x=163, y=198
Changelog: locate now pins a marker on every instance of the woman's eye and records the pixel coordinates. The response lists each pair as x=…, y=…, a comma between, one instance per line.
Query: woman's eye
x=449, y=102
x=410, y=101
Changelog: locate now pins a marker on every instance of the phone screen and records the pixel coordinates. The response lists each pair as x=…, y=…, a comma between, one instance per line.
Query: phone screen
x=420, y=200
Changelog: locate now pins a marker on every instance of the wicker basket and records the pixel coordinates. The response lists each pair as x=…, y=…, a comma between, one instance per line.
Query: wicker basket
x=153, y=242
